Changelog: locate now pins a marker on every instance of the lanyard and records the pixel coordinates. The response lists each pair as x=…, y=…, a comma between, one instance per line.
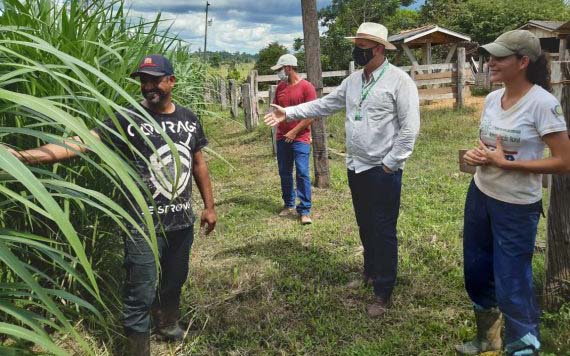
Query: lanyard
x=366, y=89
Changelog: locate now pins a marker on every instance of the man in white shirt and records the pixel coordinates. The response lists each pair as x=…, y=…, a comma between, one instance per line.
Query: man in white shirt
x=382, y=123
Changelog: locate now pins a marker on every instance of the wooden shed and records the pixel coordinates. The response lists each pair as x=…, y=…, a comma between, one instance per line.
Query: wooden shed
x=425, y=37
x=553, y=36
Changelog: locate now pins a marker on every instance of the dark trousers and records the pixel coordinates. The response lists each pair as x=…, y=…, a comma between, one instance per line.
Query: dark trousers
x=297, y=153
x=140, y=289
x=498, y=244
x=376, y=200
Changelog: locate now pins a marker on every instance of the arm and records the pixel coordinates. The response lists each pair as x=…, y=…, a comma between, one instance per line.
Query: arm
x=322, y=107
x=557, y=163
x=408, y=111
x=202, y=178
x=52, y=153
x=292, y=134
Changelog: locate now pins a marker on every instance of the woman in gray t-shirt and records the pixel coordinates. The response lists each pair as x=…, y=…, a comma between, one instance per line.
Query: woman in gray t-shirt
x=504, y=200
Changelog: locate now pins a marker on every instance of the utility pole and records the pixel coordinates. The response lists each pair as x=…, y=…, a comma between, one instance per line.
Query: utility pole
x=206, y=30
x=315, y=76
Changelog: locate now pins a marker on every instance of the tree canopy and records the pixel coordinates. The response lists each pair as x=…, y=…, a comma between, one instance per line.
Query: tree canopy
x=268, y=56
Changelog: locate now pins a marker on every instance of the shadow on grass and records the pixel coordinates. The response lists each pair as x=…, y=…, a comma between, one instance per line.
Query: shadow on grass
x=305, y=263
x=253, y=203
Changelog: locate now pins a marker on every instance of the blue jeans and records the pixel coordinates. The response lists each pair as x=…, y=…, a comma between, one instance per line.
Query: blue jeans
x=297, y=153
x=142, y=289
x=498, y=244
x=376, y=201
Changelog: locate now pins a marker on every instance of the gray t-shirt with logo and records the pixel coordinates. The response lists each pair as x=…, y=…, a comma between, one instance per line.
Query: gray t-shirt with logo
x=521, y=129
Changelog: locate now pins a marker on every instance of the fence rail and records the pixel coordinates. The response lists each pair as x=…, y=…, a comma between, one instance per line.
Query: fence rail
x=439, y=81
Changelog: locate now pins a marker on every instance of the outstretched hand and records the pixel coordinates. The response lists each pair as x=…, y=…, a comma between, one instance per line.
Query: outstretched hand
x=276, y=115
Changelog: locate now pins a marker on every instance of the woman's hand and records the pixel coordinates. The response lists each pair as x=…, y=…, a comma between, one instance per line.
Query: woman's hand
x=476, y=156
x=494, y=157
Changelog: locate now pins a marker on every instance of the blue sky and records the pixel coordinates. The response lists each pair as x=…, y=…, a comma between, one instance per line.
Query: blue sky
x=237, y=25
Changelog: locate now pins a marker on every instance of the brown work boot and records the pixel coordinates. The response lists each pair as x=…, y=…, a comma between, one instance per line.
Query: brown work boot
x=488, y=338
x=286, y=211
x=306, y=220
x=138, y=344
x=166, y=324
x=378, y=308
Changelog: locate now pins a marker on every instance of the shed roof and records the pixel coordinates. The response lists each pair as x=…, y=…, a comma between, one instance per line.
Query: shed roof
x=430, y=33
x=552, y=26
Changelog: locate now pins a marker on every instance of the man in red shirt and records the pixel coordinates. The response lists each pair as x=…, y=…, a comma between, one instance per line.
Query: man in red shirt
x=294, y=139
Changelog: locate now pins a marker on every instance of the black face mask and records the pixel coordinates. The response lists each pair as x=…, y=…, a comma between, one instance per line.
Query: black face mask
x=362, y=56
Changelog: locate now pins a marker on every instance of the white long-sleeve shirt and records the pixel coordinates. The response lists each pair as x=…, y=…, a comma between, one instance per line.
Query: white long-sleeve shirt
x=389, y=117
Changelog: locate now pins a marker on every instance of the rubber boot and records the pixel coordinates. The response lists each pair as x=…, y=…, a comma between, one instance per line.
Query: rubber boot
x=168, y=327
x=488, y=338
x=138, y=343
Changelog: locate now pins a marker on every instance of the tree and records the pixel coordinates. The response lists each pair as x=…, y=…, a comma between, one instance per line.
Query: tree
x=314, y=75
x=342, y=18
x=440, y=12
x=268, y=56
x=215, y=60
x=485, y=20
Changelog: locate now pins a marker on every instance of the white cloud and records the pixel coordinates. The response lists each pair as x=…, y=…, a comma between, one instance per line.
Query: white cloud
x=237, y=25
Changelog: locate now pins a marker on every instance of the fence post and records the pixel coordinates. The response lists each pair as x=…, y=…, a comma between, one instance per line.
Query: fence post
x=460, y=100
x=234, y=98
x=351, y=68
x=557, y=275
x=272, y=90
x=208, y=92
x=246, y=103
x=223, y=94
x=252, y=80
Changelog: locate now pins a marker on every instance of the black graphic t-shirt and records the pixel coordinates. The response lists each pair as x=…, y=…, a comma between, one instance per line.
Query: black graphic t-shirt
x=172, y=208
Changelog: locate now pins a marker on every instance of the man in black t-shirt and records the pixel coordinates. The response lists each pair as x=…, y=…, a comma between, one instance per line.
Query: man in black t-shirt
x=170, y=205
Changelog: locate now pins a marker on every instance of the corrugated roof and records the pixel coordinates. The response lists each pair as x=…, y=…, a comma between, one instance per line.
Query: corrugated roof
x=549, y=25
x=419, y=32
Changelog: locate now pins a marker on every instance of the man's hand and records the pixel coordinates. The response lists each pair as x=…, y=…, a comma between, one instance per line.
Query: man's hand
x=290, y=136
x=387, y=170
x=208, y=220
x=495, y=157
x=276, y=116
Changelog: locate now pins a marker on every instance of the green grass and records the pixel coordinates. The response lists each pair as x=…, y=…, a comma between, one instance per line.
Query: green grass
x=264, y=285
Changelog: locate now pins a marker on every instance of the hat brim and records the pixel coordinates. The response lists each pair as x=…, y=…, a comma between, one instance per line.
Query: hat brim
x=496, y=50
x=382, y=41
x=279, y=66
x=149, y=72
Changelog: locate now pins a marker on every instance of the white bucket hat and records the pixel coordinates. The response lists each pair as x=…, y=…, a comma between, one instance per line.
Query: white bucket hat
x=285, y=60
x=373, y=32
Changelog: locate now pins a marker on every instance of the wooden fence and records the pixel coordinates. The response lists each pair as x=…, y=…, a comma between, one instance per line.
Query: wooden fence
x=434, y=81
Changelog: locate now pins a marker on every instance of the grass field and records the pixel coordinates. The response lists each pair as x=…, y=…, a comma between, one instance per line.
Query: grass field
x=264, y=285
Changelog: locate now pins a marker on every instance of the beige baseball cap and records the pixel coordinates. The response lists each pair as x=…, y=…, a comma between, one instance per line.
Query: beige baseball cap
x=521, y=42
x=285, y=60
x=374, y=32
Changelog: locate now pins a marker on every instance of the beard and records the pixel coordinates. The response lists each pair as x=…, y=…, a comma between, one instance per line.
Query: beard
x=154, y=96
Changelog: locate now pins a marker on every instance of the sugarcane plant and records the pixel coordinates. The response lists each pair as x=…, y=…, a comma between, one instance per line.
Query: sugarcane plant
x=63, y=70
